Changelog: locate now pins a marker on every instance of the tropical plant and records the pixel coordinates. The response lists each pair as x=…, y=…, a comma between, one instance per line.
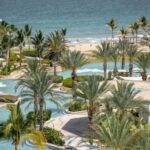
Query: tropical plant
x=132, y=52
x=123, y=46
x=125, y=97
x=44, y=88
x=143, y=22
x=55, y=45
x=72, y=60
x=7, y=43
x=20, y=41
x=16, y=129
x=38, y=42
x=103, y=52
x=27, y=33
x=134, y=27
x=28, y=88
x=143, y=62
x=112, y=25
x=115, y=54
x=53, y=136
x=91, y=91
x=123, y=32
x=116, y=133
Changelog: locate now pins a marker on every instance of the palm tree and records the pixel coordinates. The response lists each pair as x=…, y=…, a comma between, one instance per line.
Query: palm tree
x=112, y=25
x=115, y=54
x=143, y=62
x=116, y=134
x=132, y=52
x=91, y=91
x=123, y=46
x=44, y=87
x=20, y=41
x=72, y=60
x=55, y=45
x=134, y=28
x=38, y=42
x=103, y=52
x=143, y=22
x=7, y=43
x=28, y=88
x=27, y=33
x=17, y=129
x=123, y=32
x=124, y=97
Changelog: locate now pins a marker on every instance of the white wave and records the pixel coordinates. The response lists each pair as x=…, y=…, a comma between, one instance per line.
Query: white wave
x=2, y=84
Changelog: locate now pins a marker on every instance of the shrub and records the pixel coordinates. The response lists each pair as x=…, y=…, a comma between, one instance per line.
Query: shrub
x=123, y=74
x=77, y=105
x=46, y=116
x=53, y=136
x=31, y=53
x=68, y=82
x=14, y=57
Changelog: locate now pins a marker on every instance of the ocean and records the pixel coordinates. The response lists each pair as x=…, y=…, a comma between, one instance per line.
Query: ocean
x=84, y=19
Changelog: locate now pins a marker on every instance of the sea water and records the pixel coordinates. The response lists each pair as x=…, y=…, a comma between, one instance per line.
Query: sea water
x=85, y=19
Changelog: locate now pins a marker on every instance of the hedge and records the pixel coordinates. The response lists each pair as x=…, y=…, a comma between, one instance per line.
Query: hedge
x=31, y=53
x=53, y=136
x=77, y=105
x=46, y=116
x=68, y=81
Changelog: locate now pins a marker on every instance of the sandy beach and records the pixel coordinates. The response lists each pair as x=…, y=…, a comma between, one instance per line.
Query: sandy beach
x=88, y=47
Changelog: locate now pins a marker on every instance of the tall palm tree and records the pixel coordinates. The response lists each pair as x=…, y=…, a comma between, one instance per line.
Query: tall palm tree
x=17, y=129
x=27, y=33
x=7, y=43
x=20, y=42
x=91, y=91
x=28, y=88
x=103, y=52
x=135, y=28
x=123, y=46
x=55, y=45
x=132, y=52
x=143, y=22
x=112, y=25
x=124, y=97
x=143, y=62
x=72, y=60
x=38, y=42
x=123, y=32
x=44, y=87
x=116, y=134
x=115, y=54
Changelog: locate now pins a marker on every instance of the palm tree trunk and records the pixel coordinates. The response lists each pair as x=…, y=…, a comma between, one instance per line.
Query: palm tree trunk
x=105, y=70
x=41, y=114
x=115, y=69
x=90, y=116
x=144, y=76
x=136, y=35
x=20, y=50
x=74, y=80
x=35, y=111
x=112, y=34
x=55, y=70
x=7, y=58
x=130, y=69
x=16, y=146
x=123, y=62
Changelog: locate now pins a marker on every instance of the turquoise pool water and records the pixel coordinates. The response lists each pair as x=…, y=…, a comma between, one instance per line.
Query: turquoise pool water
x=9, y=87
